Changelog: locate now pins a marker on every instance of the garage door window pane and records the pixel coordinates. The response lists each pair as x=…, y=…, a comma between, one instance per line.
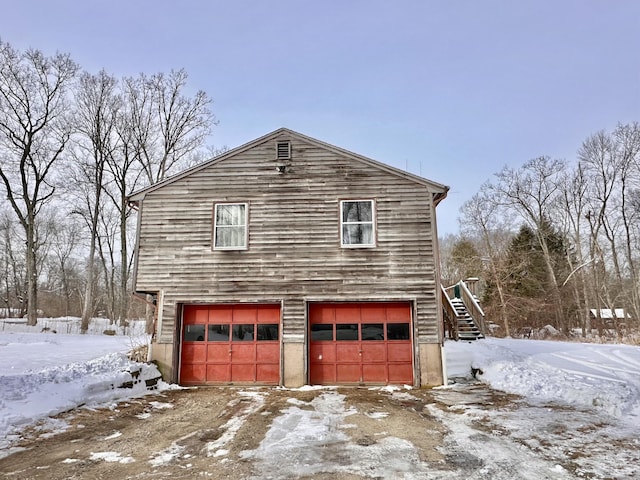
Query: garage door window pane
x=268, y=331
x=194, y=333
x=347, y=331
x=218, y=333
x=242, y=333
x=321, y=333
x=372, y=331
x=398, y=331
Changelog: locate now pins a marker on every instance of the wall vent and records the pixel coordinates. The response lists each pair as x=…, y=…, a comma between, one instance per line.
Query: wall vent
x=283, y=150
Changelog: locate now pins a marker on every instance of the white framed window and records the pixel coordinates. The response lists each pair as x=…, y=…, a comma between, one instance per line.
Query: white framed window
x=230, y=226
x=357, y=223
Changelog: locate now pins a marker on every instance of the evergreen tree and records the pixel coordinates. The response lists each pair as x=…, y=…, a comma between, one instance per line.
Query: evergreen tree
x=527, y=286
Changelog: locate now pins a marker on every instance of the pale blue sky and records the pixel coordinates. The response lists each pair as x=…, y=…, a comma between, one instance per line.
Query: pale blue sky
x=451, y=90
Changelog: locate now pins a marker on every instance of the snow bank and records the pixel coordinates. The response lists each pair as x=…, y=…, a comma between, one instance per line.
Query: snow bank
x=23, y=352
x=42, y=375
x=606, y=377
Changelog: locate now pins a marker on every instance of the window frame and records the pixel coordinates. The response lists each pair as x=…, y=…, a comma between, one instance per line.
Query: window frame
x=245, y=245
x=372, y=222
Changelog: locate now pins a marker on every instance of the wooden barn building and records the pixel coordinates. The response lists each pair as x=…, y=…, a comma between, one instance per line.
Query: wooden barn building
x=289, y=261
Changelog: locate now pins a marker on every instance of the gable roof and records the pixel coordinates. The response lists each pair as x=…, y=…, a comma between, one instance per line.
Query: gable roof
x=439, y=190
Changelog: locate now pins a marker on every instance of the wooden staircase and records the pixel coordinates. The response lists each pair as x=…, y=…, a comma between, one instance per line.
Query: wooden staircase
x=467, y=327
x=463, y=316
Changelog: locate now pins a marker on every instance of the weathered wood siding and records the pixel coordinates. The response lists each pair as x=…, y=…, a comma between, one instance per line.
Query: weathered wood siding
x=294, y=253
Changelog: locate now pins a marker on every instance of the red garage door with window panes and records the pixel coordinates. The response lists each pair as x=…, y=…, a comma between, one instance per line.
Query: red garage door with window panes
x=360, y=343
x=230, y=344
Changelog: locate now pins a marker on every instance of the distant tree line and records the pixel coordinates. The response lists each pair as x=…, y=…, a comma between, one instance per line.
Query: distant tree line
x=555, y=241
x=73, y=145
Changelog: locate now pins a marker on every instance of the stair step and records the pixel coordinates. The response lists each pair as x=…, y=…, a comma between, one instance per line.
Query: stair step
x=470, y=334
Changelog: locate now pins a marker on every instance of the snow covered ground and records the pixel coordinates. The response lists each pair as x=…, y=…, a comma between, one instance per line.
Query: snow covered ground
x=579, y=400
x=580, y=406
x=43, y=373
x=604, y=377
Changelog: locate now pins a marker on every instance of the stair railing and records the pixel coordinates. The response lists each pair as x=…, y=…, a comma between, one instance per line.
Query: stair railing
x=450, y=315
x=473, y=307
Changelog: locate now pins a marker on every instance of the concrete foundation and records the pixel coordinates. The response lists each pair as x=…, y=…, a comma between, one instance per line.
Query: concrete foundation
x=294, y=362
x=430, y=365
x=162, y=356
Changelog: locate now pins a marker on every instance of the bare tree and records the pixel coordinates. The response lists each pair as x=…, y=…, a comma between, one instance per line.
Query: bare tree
x=448, y=273
x=598, y=158
x=97, y=110
x=123, y=175
x=128, y=134
x=12, y=267
x=531, y=190
x=483, y=217
x=202, y=155
x=174, y=126
x=63, y=272
x=34, y=131
x=158, y=130
x=109, y=225
x=572, y=205
x=627, y=143
x=611, y=162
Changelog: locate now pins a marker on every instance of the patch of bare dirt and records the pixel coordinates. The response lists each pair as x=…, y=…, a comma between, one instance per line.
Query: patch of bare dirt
x=382, y=416
x=200, y=433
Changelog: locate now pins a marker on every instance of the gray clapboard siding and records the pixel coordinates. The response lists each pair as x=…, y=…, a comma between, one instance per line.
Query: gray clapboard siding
x=294, y=248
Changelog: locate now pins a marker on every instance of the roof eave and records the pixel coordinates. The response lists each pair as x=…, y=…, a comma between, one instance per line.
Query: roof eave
x=439, y=196
x=439, y=190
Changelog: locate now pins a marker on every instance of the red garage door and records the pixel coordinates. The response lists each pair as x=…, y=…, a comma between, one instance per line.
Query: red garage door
x=230, y=343
x=360, y=343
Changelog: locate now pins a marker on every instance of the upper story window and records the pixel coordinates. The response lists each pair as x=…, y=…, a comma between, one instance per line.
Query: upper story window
x=357, y=223
x=230, y=226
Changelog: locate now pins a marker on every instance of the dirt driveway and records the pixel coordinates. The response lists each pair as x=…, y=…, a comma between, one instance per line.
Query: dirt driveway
x=339, y=433
x=219, y=433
